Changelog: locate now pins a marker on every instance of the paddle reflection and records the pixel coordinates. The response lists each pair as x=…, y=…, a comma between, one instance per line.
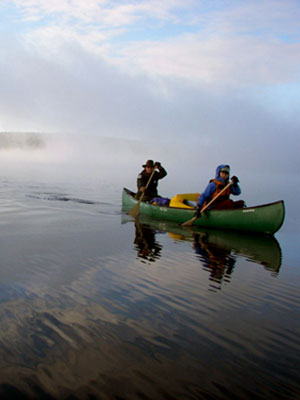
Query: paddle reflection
x=148, y=249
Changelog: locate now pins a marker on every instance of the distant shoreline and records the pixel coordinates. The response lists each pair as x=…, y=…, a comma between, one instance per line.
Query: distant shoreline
x=21, y=140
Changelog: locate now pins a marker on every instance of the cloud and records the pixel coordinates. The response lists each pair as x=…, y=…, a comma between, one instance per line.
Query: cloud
x=104, y=12
x=228, y=61
x=265, y=19
x=241, y=45
x=82, y=95
x=85, y=94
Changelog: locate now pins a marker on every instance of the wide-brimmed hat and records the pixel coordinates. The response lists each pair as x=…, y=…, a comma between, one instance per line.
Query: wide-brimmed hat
x=149, y=163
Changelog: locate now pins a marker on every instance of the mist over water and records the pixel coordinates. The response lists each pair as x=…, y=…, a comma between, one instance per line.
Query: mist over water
x=94, y=158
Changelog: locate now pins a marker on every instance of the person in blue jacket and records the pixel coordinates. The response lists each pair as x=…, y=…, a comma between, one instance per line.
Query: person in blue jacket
x=215, y=186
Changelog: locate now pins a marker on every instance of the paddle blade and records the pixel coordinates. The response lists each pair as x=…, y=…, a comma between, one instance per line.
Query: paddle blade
x=189, y=222
x=134, y=212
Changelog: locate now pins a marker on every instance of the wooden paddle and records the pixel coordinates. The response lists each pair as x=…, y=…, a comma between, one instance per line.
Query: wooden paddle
x=190, y=221
x=134, y=212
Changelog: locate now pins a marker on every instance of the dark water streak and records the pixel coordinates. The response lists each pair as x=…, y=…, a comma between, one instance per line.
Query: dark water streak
x=94, y=305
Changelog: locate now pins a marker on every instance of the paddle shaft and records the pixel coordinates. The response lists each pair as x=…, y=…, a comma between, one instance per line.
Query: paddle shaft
x=135, y=209
x=219, y=194
x=189, y=222
x=148, y=183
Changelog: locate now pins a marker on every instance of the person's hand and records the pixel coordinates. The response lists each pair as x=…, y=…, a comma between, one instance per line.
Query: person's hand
x=157, y=164
x=142, y=189
x=234, y=180
x=198, y=212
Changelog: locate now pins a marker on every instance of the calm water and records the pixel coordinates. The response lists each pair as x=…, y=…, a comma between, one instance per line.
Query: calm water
x=95, y=306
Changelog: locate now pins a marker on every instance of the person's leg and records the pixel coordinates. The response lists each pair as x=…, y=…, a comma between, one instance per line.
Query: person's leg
x=223, y=205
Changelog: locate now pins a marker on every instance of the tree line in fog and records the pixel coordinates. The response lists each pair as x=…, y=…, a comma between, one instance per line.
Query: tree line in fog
x=30, y=140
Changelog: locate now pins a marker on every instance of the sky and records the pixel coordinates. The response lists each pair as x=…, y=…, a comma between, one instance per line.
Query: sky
x=189, y=83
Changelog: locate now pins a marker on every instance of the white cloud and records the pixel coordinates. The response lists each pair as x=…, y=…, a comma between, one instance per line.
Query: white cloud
x=215, y=60
x=32, y=10
x=105, y=12
x=238, y=46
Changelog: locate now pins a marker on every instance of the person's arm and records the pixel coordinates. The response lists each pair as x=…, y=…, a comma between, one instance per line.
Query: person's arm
x=206, y=195
x=161, y=171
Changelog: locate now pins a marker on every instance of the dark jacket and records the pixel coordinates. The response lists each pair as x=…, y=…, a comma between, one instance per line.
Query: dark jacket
x=143, y=179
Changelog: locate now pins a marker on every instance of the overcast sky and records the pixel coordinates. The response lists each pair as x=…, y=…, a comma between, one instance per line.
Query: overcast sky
x=190, y=83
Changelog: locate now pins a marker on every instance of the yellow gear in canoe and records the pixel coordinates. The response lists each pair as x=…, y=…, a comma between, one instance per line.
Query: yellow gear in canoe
x=182, y=200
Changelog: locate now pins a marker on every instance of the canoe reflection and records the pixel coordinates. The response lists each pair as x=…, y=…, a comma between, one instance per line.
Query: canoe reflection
x=216, y=249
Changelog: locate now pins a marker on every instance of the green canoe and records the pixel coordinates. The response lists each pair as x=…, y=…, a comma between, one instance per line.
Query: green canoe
x=266, y=218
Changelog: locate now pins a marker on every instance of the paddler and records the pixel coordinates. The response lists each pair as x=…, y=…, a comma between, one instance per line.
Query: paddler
x=215, y=186
x=143, y=180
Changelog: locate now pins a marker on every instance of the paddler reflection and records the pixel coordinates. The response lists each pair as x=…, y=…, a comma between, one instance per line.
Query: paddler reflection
x=147, y=246
x=217, y=260
x=218, y=250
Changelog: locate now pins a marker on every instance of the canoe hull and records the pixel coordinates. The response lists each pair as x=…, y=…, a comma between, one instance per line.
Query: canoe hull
x=267, y=218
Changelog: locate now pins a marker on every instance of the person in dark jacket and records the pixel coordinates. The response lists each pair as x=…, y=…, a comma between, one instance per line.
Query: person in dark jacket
x=142, y=180
x=215, y=186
